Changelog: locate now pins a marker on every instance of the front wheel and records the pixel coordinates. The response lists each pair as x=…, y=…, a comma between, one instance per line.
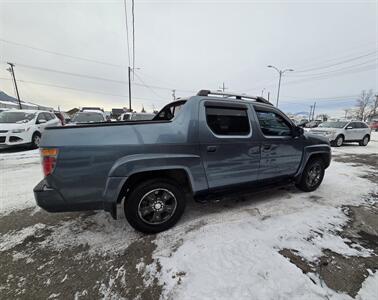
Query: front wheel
x=36, y=139
x=154, y=205
x=338, y=142
x=312, y=176
x=364, y=141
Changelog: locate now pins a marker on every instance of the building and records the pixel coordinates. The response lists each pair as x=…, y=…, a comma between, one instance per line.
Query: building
x=7, y=101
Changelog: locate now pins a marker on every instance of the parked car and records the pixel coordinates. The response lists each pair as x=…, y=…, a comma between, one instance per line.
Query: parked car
x=339, y=132
x=134, y=116
x=303, y=122
x=207, y=145
x=313, y=124
x=88, y=117
x=373, y=125
x=24, y=127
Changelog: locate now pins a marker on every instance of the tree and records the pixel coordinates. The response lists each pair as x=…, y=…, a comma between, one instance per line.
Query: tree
x=363, y=103
x=143, y=110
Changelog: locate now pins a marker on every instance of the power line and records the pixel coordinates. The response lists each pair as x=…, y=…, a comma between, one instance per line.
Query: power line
x=133, y=14
x=147, y=86
x=338, y=63
x=60, y=54
x=72, y=88
x=127, y=32
x=337, y=70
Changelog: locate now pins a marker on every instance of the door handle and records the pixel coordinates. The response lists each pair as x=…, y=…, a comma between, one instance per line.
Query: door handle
x=211, y=148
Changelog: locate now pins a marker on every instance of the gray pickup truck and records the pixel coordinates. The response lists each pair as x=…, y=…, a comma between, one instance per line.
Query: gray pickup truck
x=201, y=147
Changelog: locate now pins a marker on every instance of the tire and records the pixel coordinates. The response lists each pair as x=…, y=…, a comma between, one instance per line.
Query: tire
x=338, y=142
x=36, y=138
x=314, y=170
x=364, y=141
x=151, y=202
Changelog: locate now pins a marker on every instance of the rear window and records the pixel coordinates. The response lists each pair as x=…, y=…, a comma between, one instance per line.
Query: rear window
x=88, y=118
x=227, y=121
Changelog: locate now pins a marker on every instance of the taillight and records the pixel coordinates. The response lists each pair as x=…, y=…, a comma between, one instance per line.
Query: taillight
x=49, y=156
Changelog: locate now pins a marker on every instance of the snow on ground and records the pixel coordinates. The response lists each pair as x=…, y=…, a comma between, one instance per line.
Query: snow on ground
x=219, y=250
x=20, y=172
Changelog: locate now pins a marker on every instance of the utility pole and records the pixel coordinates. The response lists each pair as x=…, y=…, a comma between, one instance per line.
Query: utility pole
x=280, y=73
x=313, y=111
x=11, y=70
x=174, y=95
x=129, y=73
x=223, y=87
x=268, y=95
x=310, y=114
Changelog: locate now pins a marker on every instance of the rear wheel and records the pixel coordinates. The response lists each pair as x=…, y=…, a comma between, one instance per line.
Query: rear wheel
x=364, y=141
x=36, y=139
x=338, y=142
x=154, y=205
x=312, y=175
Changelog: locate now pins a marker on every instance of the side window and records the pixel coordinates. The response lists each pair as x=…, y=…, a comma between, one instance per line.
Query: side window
x=354, y=125
x=363, y=125
x=228, y=121
x=47, y=116
x=40, y=117
x=273, y=124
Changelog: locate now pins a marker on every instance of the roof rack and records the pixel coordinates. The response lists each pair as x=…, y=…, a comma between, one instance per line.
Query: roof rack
x=207, y=93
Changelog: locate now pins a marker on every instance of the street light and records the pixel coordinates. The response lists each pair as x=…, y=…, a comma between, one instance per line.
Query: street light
x=280, y=72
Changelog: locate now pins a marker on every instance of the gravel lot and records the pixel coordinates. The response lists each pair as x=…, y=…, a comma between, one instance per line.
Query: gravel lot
x=279, y=244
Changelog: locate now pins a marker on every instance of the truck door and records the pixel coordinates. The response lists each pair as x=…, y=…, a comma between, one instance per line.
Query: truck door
x=231, y=155
x=281, y=153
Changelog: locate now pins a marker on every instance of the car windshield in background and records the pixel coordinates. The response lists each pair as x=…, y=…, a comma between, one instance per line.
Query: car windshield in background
x=15, y=117
x=333, y=124
x=87, y=118
x=142, y=117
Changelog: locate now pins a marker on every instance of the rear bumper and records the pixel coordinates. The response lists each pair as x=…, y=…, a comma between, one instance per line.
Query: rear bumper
x=51, y=200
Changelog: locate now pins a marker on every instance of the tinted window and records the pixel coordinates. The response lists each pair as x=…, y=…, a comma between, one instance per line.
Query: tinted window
x=273, y=124
x=41, y=116
x=354, y=125
x=363, y=125
x=227, y=121
x=47, y=116
x=333, y=124
x=86, y=117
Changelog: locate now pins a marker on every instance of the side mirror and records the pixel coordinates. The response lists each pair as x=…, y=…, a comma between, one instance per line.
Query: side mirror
x=42, y=121
x=297, y=131
x=349, y=127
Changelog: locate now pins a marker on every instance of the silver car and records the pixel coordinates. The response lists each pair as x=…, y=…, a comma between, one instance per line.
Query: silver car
x=339, y=132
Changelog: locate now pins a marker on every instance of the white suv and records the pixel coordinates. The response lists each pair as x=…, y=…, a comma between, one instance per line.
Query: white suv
x=339, y=132
x=24, y=127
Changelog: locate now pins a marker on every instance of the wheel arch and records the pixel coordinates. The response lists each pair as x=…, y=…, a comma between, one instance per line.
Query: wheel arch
x=179, y=175
x=312, y=152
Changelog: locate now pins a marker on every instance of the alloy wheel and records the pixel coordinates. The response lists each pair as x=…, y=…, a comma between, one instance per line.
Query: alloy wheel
x=157, y=206
x=313, y=175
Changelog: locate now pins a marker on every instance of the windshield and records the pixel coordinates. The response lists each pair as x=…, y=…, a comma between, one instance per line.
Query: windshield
x=142, y=117
x=15, y=117
x=87, y=118
x=333, y=124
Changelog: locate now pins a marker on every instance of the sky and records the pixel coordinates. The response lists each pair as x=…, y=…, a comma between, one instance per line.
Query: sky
x=75, y=53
